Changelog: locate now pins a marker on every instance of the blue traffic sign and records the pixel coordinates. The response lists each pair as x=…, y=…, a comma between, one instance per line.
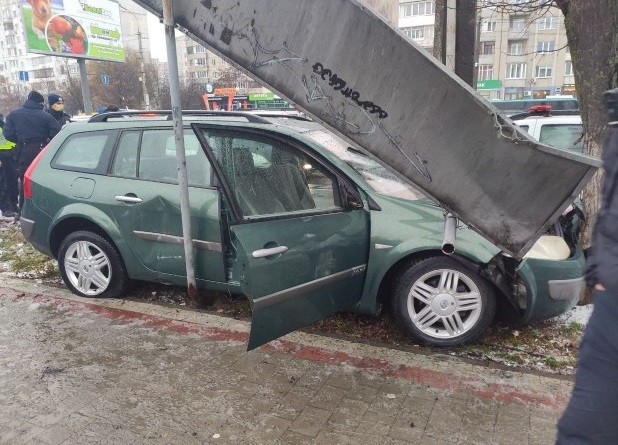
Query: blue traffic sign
x=104, y=79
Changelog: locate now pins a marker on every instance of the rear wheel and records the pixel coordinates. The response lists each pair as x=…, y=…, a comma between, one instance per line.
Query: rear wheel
x=91, y=266
x=440, y=302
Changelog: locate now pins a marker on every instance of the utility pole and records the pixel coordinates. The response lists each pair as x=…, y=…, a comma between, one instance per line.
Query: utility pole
x=141, y=59
x=142, y=72
x=455, y=37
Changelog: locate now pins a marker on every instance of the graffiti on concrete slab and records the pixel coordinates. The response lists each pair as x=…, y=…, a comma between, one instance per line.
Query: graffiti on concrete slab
x=340, y=85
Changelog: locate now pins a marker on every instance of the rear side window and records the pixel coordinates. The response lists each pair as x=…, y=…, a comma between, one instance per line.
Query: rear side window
x=151, y=155
x=567, y=137
x=84, y=152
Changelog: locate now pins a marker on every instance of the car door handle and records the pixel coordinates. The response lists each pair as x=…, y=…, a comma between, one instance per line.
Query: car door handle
x=130, y=199
x=262, y=253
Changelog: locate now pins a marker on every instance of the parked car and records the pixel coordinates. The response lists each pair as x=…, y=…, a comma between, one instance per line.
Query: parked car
x=288, y=215
x=561, y=131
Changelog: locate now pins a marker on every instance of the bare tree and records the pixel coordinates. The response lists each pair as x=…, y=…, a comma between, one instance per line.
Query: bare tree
x=124, y=88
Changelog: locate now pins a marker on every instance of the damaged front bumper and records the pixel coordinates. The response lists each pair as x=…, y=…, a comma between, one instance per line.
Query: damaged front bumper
x=551, y=287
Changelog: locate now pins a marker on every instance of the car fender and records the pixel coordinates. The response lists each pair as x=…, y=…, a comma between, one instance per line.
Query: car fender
x=103, y=222
x=388, y=252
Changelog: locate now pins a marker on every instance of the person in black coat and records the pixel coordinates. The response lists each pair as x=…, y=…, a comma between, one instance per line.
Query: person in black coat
x=31, y=128
x=56, y=108
x=590, y=417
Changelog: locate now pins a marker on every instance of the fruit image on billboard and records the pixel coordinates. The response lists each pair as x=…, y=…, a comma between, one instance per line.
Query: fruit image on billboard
x=74, y=28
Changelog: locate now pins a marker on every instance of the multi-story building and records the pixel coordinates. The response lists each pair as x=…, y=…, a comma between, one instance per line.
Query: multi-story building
x=522, y=51
x=203, y=68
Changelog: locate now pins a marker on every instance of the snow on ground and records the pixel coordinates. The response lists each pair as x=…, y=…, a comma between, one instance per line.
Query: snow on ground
x=579, y=314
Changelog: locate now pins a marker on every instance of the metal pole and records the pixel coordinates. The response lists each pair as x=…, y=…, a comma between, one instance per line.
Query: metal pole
x=142, y=72
x=172, y=63
x=83, y=75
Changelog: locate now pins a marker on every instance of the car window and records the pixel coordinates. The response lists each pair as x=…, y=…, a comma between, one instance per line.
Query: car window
x=82, y=151
x=125, y=161
x=157, y=158
x=269, y=177
x=565, y=136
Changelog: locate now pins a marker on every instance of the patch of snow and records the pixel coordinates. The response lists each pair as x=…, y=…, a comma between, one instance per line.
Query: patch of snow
x=579, y=314
x=34, y=306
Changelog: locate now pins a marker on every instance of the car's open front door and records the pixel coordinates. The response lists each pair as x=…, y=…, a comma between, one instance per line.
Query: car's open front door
x=299, y=234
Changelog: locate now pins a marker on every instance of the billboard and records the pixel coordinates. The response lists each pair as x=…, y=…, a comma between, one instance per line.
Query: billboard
x=74, y=28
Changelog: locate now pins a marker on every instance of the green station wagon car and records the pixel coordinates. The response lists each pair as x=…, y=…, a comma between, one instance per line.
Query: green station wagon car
x=285, y=213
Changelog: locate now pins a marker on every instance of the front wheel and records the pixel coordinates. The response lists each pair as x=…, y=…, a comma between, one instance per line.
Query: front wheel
x=91, y=266
x=440, y=302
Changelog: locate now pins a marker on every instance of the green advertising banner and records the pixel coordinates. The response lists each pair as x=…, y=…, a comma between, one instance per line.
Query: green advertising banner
x=74, y=28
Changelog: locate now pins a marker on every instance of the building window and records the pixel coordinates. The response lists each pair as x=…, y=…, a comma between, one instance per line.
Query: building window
x=200, y=61
x=545, y=47
x=516, y=48
x=488, y=48
x=418, y=32
x=518, y=23
x=489, y=26
x=568, y=68
x=213, y=61
x=543, y=71
x=547, y=23
x=417, y=8
x=515, y=70
x=486, y=72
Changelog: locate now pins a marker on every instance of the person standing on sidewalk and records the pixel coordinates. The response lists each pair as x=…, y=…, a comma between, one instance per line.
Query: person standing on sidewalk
x=56, y=108
x=8, y=176
x=30, y=127
x=592, y=413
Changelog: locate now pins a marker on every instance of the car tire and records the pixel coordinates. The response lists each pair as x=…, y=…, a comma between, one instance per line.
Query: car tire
x=91, y=266
x=441, y=302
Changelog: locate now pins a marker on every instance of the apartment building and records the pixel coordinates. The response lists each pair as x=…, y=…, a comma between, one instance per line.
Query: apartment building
x=522, y=52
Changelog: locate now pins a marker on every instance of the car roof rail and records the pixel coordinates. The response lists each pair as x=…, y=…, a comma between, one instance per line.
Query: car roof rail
x=283, y=115
x=251, y=117
x=550, y=113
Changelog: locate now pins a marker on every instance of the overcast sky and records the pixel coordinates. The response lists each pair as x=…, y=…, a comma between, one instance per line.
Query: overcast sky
x=156, y=33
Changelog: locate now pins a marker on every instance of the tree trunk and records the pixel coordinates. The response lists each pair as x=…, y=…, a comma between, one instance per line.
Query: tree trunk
x=592, y=32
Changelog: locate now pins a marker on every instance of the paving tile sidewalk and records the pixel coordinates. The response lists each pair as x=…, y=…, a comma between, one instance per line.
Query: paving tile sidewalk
x=76, y=371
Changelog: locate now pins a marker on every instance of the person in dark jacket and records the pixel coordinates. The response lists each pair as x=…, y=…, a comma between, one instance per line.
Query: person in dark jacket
x=592, y=413
x=8, y=176
x=30, y=128
x=56, y=109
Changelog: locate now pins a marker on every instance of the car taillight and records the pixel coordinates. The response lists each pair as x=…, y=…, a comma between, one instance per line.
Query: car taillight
x=28, y=175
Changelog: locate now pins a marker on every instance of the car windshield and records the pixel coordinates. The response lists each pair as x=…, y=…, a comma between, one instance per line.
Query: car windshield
x=376, y=175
